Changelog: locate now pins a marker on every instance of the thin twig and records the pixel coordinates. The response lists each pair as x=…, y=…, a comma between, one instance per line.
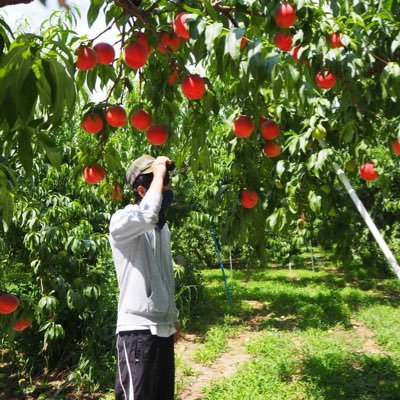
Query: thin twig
x=108, y=28
x=152, y=7
x=105, y=30
x=114, y=85
x=376, y=57
x=226, y=10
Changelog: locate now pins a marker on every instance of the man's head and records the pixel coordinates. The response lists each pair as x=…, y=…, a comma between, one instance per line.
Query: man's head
x=140, y=176
x=140, y=166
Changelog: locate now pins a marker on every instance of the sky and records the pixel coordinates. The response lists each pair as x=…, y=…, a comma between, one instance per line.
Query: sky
x=35, y=13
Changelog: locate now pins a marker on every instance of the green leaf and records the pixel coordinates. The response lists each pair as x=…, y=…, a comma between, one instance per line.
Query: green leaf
x=317, y=161
x=2, y=43
x=111, y=162
x=271, y=66
x=192, y=10
x=65, y=54
x=9, y=109
x=280, y=167
x=26, y=98
x=3, y=179
x=6, y=207
x=314, y=201
x=93, y=11
x=212, y=31
x=4, y=40
x=390, y=80
x=277, y=88
x=91, y=79
x=25, y=153
x=232, y=43
x=255, y=58
x=58, y=80
x=357, y=19
x=294, y=73
x=211, y=10
x=293, y=144
x=395, y=44
x=52, y=151
x=6, y=27
x=43, y=85
x=300, y=4
x=9, y=68
x=22, y=68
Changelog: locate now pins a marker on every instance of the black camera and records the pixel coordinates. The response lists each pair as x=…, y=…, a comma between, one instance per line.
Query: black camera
x=171, y=166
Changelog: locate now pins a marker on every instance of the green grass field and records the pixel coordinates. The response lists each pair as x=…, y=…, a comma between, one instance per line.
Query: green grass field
x=310, y=335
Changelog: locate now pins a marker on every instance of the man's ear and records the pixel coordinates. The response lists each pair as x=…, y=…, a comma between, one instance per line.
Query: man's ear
x=141, y=190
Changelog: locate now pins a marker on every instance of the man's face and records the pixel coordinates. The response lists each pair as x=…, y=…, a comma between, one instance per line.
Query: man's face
x=167, y=184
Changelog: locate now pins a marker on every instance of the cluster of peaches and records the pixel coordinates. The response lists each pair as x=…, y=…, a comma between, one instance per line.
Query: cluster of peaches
x=243, y=125
x=367, y=171
x=285, y=18
x=135, y=54
x=8, y=304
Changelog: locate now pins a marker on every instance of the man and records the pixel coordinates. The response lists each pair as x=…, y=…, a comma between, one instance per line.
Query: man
x=147, y=316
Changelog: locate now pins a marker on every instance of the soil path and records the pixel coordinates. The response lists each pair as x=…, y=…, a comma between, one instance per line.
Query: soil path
x=224, y=366
x=370, y=345
x=228, y=362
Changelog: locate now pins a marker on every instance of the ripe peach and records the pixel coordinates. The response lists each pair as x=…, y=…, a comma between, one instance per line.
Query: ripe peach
x=87, y=58
x=116, y=116
x=157, y=135
x=193, y=87
x=94, y=174
x=243, y=126
x=135, y=55
x=105, y=53
x=286, y=15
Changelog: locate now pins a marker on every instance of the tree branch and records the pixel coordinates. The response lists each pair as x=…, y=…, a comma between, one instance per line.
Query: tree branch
x=130, y=6
x=226, y=10
x=4, y=3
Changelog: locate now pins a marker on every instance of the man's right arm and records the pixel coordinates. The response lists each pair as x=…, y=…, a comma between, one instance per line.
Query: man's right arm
x=131, y=222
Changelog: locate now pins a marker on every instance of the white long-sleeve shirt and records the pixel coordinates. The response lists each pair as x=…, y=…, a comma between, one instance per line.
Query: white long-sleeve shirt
x=143, y=263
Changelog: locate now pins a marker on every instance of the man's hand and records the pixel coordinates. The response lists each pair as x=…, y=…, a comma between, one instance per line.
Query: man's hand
x=159, y=167
x=177, y=334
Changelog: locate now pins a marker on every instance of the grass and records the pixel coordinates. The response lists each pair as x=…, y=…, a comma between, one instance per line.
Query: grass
x=215, y=342
x=312, y=335
x=309, y=347
x=384, y=320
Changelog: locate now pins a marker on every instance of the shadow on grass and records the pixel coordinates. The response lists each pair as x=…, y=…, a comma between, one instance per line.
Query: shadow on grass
x=337, y=376
x=328, y=276
x=279, y=309
x=286, y=300
x=297, y=277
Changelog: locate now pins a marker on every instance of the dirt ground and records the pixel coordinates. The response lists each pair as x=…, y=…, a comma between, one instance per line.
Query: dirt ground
x=230, y=361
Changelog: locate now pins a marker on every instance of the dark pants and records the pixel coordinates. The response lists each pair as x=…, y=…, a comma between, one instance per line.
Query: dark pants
x=146, y=366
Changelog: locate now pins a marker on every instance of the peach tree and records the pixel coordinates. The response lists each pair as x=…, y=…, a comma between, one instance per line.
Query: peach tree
x=253, y=101
x=314, y=69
